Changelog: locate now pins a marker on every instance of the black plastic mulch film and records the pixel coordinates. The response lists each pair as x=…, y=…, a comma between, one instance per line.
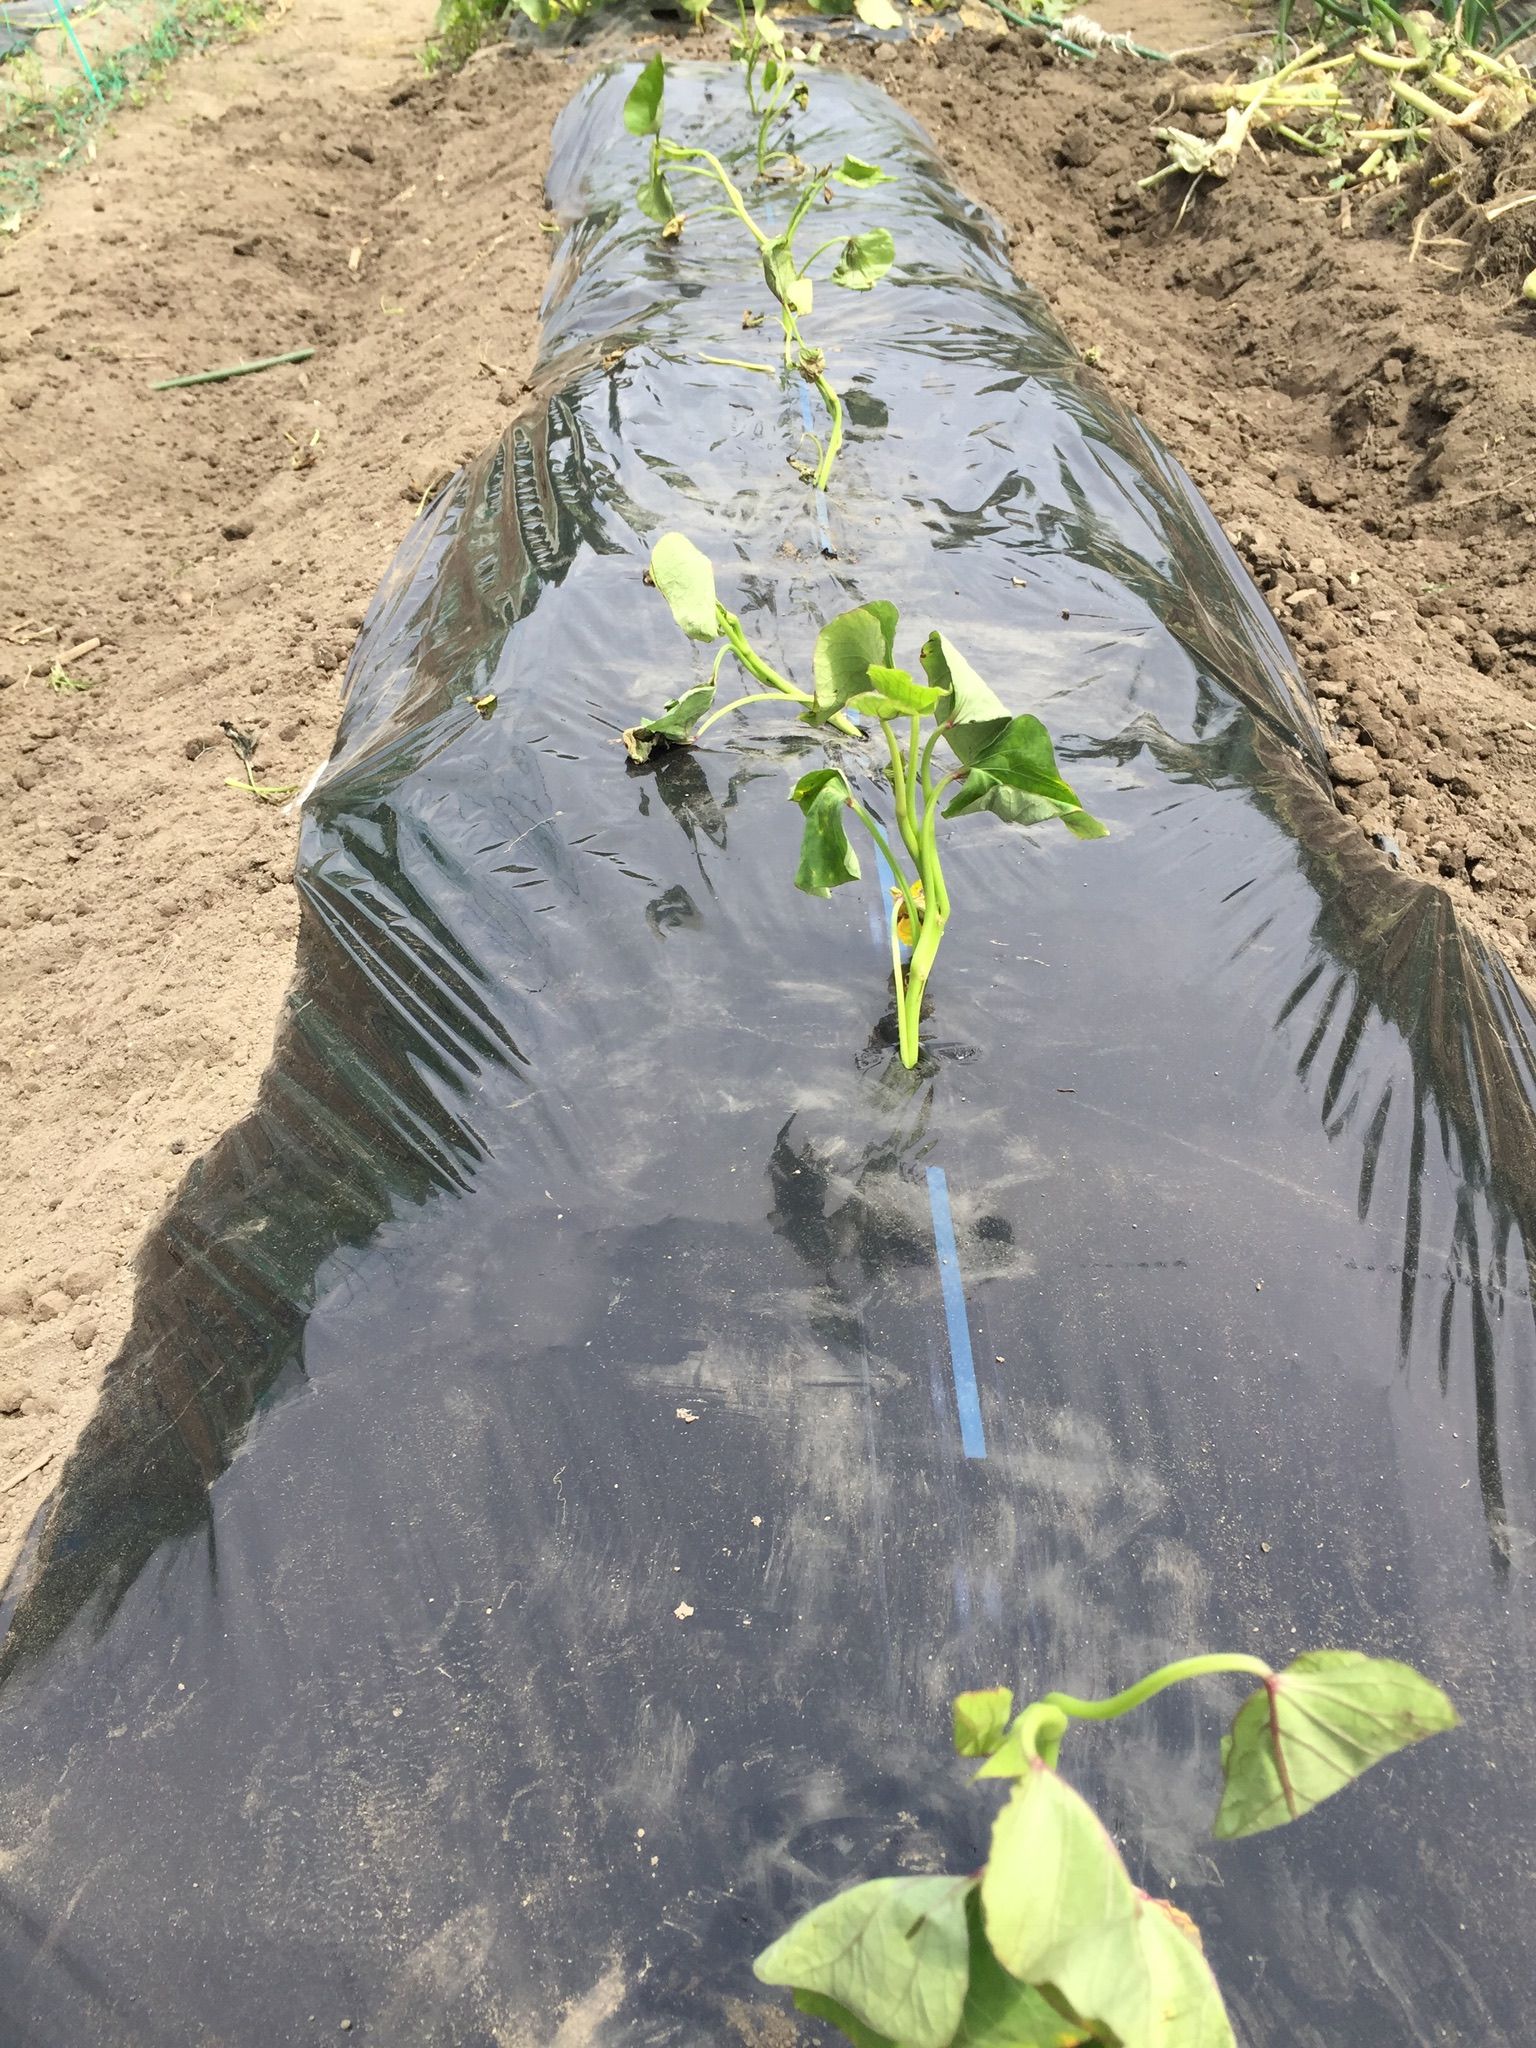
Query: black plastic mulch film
x=350, y=1674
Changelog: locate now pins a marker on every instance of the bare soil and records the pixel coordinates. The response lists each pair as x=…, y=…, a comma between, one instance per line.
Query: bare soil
x=1361, y=423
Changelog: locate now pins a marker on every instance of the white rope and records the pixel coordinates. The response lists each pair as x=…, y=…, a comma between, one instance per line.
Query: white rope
x=1082, y=28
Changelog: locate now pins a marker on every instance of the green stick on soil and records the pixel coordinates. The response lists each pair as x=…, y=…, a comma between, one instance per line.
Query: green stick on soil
x=295, y=355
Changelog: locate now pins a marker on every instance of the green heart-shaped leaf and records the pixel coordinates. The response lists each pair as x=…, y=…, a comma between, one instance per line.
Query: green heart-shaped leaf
x=894, y=1952
x=1062, y=1915
x=968, y=705
x=1314, y=1727
x=1013, y=773
x=826, y=862
x=981, y=1720
x=864, y=261
x=845, y=649
x=686, y=580
x=1020, y=755
x=642, y=103
x=983, y=792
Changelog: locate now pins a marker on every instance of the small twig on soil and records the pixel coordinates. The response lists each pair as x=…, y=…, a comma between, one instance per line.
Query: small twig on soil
x=295, y=355
x=17, y=1478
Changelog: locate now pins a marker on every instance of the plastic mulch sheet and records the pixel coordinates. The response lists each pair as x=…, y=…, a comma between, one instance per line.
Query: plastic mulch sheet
x=579, y=1430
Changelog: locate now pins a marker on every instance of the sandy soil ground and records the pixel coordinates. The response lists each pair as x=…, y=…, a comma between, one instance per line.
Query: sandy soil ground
x=1360, y=423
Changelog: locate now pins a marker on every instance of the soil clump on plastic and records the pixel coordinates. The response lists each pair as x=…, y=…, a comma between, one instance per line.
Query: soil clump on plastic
x=1359, y=422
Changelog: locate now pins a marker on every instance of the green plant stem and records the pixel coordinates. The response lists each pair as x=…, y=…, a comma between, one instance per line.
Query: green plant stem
x=771, y=111
x=294, y=355
x=736, y=703
x=703, y=163
x=821, y=251
x=914, y=728
x=674, y=152
x=906, y=1046
x=1044, y=1722
x=929, y=931
x=834, y=405
x=1156, y=1682
x=901, y=789
x=876, y=832
x=1423, y=104
x=778, y=685
x=1040, y=1729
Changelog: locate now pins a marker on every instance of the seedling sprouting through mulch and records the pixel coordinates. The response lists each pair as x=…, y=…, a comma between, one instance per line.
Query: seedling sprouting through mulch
x=245, y=745
x=1003, y=762
x=863, y=259
x=1051, y=1944
x=770, y=72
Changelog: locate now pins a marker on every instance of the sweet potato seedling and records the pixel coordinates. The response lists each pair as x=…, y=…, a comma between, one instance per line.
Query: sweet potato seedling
x=1002, y=762
x=862, y=262
x=1051, y=1944
x=769, y=64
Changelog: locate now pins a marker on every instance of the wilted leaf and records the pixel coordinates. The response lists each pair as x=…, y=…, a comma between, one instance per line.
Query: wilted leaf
x=845, y=648
x=654, y=197
x=674, y=725
x=1062, y=1915
x=877, y=13
x=642, y=103
x=894, y=1952
x=854, y=171
x=783, y=280
x=981, y=1720
x=1314, y=1727
x=864, y=261
x=983, y=792
x=686, y=580
x=826, y=858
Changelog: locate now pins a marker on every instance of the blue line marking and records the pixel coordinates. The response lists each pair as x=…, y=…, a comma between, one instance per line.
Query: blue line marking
x=823, y=530
x=973, y=1438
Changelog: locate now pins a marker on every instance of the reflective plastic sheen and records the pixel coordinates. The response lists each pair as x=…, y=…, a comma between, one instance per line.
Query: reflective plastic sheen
x=579, y=1430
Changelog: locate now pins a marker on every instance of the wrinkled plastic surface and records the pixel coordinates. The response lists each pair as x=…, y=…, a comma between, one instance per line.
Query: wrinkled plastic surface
x=526, y=1547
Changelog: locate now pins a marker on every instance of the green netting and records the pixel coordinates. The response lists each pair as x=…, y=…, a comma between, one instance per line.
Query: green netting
x=47, y=118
